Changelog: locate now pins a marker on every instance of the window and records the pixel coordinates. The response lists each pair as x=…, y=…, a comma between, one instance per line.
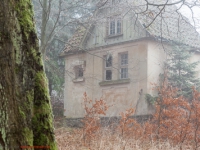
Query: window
x=123, y=65
x=108, y=67
x=115, y=27
x=96, y=39
x=114, y=2
x=108, y=75
x=78, y=71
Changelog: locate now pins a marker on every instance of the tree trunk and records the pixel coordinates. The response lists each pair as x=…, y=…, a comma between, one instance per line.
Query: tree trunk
x=25, y=110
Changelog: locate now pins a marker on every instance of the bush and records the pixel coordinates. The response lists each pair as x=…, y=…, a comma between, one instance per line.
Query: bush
x=176, y=119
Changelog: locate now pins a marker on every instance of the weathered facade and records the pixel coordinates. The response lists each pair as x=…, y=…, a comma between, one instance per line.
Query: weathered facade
x=117, y=59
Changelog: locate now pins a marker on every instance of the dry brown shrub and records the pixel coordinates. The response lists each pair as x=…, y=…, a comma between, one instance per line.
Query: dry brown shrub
x=174, y=125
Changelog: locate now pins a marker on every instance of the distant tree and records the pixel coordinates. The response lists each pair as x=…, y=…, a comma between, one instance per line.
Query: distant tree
x=56, y=20
x=182, y=73
x=54, y=67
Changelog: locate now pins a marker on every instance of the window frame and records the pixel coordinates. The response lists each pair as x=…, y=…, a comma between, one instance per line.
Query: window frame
x=107, y=68
x=114, y=27
x=123, y=66
x=114, y=2
x=77, y=73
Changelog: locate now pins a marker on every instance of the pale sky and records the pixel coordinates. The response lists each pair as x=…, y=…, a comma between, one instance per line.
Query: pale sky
x=195, y=19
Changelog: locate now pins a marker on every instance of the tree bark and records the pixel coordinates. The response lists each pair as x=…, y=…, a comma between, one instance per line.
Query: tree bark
x=25, y=110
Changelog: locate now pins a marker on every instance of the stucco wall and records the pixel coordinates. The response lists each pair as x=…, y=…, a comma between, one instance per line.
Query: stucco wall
x=146, y=62
x=118, y=96
x=196, y=58
x=72, y=96
x=156, y=58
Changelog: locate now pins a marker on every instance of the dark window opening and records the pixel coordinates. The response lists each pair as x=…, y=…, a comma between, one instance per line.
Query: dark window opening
x=108, y=67
x=78, y=72
x=109, y=61
x=108, y=75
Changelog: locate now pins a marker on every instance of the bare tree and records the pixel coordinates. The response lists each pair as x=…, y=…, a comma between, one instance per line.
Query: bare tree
x=56, y=21
x=54, y=16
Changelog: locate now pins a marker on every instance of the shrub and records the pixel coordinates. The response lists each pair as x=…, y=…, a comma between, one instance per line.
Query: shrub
x=91, y=121
x=176, y=120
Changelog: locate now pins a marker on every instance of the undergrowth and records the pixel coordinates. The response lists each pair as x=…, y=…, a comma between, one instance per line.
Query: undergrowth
x=174, y=125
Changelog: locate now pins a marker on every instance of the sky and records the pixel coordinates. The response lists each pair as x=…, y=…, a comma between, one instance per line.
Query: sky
x=195, y=19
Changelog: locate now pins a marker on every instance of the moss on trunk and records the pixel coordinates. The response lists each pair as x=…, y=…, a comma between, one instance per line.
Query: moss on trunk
x=25, y=110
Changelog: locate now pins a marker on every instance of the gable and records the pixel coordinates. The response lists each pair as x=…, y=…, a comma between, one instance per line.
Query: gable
x=101, y=34
x=170, y=27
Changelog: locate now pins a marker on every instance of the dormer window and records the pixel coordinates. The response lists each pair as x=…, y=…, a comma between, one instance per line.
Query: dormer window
x=114, y=2
x=115, y=27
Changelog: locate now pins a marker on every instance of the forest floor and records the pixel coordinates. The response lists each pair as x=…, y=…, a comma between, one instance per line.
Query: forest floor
x=72, y=139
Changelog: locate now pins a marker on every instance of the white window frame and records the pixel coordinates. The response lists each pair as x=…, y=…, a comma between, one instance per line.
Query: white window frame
x=123, y=65
x=115, y=25
x=96, y=39
x=107, y=68
x=114, y=2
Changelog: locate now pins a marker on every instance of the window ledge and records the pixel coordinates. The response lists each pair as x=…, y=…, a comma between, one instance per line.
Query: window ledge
x=114, y=36
x=78, y=80
x=113, y=82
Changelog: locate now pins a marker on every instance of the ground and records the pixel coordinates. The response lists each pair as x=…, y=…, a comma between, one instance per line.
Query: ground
x=72, y=139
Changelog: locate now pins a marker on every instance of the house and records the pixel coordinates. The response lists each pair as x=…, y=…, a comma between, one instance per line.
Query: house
x=118, y=57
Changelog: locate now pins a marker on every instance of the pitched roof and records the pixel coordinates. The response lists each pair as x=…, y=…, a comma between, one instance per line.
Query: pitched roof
x=172, y=26
x=75, y=41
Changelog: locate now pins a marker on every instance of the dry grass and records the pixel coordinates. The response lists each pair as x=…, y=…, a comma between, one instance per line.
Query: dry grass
x=174, y=125
x=72, y=139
